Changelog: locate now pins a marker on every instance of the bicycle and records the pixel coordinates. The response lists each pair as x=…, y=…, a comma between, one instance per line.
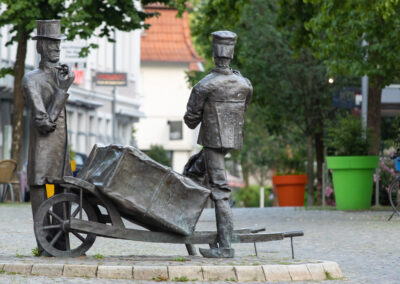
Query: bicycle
x=394, y=190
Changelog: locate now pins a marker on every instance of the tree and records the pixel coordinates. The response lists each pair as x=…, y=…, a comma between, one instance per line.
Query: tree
x=360, y=38
x=210, y=16
x=257, y=156
x=160, y=155
x=263, y=151
x=79, y=18
x=293, y=14
x=290, y=84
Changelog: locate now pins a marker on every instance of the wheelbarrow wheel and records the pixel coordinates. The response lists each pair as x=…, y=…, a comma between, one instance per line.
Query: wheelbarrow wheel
x=52, y=225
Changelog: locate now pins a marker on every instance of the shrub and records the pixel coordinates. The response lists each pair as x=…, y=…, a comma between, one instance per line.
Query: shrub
x=386, y=176
x=345, y=137
x=160, y=155
x=250, y=196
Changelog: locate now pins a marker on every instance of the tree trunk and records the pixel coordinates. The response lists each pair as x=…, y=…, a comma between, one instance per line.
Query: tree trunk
x=319, y=153
x=310, y=171
x=18, y=106
x=245, y=174
x=374, y=114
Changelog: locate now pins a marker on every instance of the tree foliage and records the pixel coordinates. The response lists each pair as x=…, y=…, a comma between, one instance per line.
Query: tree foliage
x=342, y=26
x=360, y=38
x=210, y=16
x=291, y=88
x=345, y=137
x=160, y=155
x=79, y=18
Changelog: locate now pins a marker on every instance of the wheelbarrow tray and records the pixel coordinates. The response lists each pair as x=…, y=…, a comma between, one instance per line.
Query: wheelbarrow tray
x=144, y=191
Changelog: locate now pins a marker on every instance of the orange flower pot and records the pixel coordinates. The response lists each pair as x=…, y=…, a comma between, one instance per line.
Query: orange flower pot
x=290, y=189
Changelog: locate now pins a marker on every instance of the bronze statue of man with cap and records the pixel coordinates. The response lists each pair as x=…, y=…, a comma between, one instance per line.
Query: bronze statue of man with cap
x=45, y=91
x=219, y=102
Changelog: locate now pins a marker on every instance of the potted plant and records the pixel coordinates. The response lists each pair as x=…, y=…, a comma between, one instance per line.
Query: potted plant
x=352, y=168
x=290, y=180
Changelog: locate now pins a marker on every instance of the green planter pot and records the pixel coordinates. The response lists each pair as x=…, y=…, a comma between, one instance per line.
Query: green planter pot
x=353, y=178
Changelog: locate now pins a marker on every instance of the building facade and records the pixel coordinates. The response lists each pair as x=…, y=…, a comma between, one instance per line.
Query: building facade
x=167, y=54
x=89, y=107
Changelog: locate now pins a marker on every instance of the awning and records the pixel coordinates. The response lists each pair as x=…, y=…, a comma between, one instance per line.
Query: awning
x=130, y=113
x=90, y=105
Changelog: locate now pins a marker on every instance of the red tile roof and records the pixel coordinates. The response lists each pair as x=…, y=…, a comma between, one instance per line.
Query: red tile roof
x=168, y=38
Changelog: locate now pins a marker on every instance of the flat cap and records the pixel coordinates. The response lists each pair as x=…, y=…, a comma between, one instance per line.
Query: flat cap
x=224, y=37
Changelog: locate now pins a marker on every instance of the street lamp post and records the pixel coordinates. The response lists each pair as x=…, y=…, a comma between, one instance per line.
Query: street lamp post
x=364, y=93
x=364, y=104
x=114, y=101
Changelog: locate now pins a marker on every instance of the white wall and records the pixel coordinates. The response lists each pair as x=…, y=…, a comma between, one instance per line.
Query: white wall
x=165, y=95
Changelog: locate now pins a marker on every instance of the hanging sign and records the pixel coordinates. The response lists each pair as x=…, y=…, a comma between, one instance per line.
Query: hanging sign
x=111, y=79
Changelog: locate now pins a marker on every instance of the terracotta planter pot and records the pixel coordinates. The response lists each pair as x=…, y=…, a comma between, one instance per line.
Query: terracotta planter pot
x=290, y=189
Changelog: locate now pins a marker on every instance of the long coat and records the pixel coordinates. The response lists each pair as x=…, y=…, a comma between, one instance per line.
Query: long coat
x=48, y=153
x=219, y=102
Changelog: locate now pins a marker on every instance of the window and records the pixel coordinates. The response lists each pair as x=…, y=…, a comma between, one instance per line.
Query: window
x=108, y=127
x=91, y=126
x=100, y=126
x=81, y=122
x=175, y=130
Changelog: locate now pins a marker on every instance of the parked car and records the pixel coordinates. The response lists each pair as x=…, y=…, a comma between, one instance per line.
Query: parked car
x=79, y=160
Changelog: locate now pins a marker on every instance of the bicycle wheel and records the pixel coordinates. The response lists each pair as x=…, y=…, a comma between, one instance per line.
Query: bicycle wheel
x=394, y=195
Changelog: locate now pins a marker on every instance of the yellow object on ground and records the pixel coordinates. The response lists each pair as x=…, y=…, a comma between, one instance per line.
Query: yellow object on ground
x=73, y=165
x=49, y=190
x=50, y=187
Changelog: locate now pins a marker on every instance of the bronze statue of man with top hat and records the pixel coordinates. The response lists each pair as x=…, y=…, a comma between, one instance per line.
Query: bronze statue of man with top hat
x=45, y=90
x=219, y=102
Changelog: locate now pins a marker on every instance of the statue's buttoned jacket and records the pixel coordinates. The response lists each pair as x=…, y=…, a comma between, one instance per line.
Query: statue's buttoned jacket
x=219, y=103
x=48, y=153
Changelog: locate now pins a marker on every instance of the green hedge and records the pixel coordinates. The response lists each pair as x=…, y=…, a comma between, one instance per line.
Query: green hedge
x=250, y=196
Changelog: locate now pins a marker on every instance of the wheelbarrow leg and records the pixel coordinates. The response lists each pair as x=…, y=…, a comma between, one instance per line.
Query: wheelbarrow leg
x=191, y=249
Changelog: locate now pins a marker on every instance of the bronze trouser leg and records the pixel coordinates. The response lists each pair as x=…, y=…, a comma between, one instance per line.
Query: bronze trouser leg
x=215, y=165
x=223, y=214
x=38, y=196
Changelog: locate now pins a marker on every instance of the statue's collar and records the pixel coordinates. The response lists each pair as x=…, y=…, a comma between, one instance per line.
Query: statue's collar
x=48, y=66
x=225, y=71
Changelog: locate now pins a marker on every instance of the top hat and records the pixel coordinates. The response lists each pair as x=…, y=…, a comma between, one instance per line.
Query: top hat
x=49, y=29
x=224, y=37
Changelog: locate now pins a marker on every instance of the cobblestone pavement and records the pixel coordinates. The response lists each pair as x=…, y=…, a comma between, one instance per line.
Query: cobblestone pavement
x=364, y=244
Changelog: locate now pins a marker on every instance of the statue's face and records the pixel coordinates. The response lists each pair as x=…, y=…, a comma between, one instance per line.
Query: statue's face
x=223, y=50
x=50, y=50
x=222, y=62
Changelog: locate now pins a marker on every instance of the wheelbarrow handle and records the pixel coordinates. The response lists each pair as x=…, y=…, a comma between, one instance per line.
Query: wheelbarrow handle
x=293, y=234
